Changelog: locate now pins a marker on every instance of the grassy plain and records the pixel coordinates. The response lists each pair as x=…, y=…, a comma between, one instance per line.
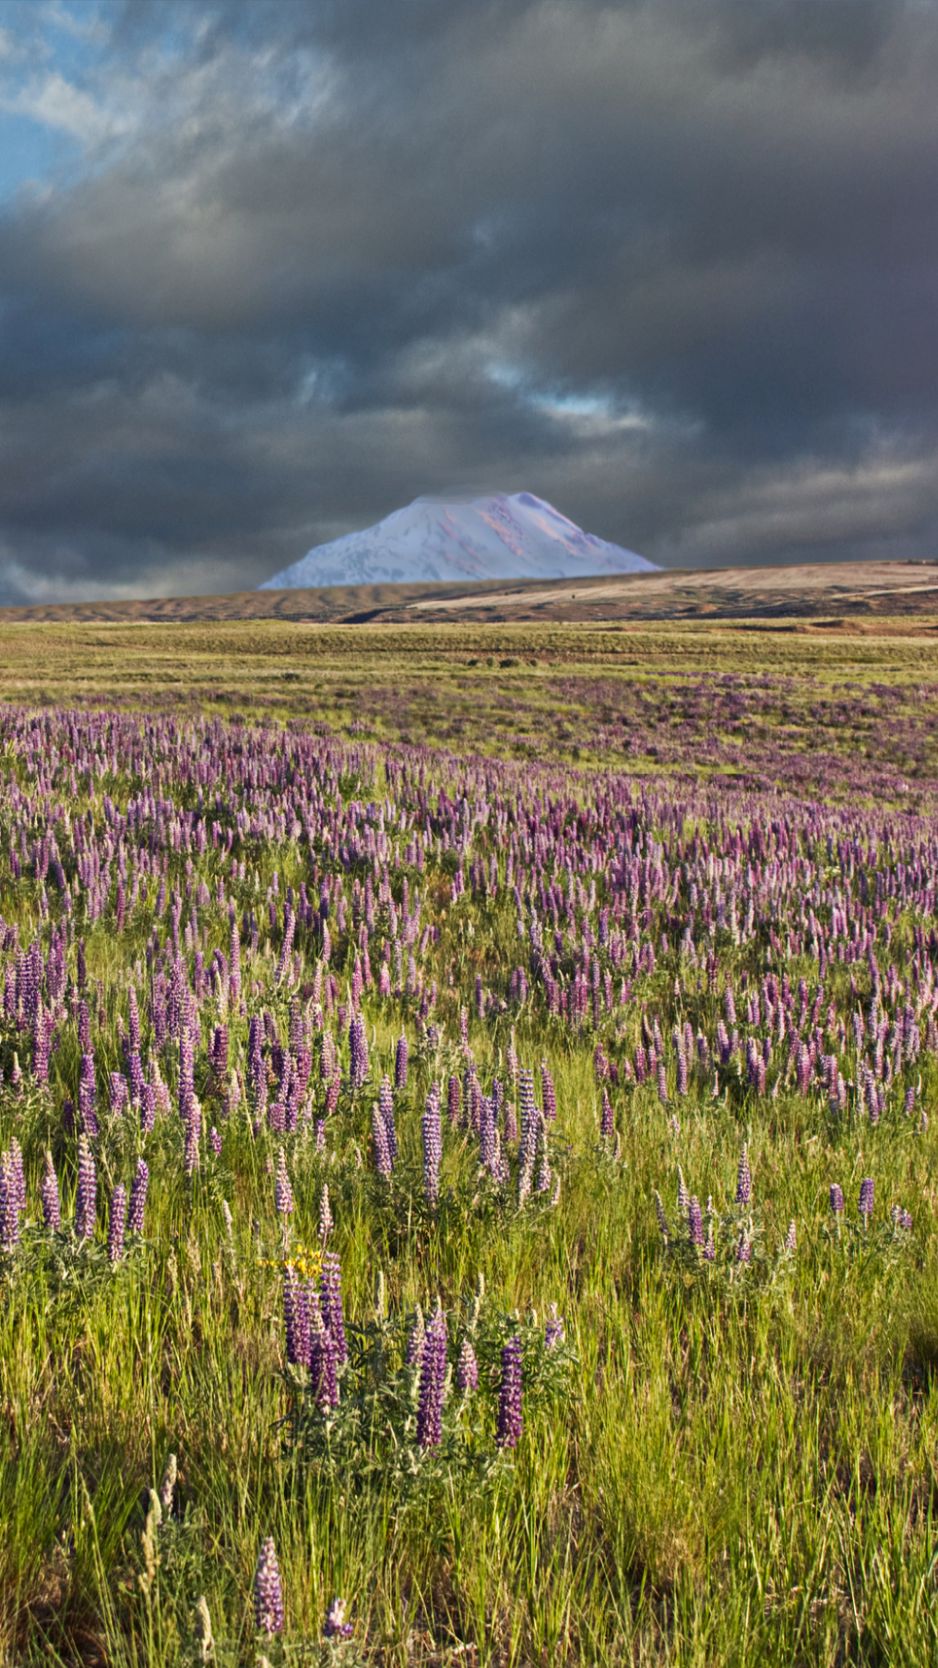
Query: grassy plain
x=741, y=1467
x=753, y=701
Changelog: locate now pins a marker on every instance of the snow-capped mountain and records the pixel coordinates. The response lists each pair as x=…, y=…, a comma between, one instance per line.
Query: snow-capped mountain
x=452, y=541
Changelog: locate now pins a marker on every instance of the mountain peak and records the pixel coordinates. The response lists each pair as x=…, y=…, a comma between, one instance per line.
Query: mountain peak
x=458, y=539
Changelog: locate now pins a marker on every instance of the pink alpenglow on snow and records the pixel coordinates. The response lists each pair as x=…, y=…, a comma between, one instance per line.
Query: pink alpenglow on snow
x=453, y=541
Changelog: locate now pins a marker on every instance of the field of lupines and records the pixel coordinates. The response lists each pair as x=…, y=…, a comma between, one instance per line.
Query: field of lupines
x=461, y=1210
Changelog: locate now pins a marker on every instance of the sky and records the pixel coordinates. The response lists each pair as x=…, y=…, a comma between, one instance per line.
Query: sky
x=270, y=270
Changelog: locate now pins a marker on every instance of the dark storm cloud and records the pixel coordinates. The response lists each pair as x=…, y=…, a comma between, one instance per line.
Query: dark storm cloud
x=671, y=266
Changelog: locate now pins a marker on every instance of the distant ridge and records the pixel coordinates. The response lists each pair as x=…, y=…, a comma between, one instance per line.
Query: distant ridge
x=455, y=541
x=824, y=594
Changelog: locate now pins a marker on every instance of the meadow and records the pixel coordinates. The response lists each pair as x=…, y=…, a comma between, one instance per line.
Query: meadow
x=468, y=1145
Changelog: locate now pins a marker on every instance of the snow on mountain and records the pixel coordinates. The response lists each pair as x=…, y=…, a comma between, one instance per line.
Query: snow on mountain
x=452, y=541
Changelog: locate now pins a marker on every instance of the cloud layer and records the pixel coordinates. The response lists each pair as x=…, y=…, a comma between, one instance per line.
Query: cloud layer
x=670, y=266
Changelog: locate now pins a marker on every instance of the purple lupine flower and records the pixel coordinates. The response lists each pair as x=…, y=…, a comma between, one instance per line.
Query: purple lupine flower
x=257, y=1072
x=723, y=1042
x=837, y=1198
x=681, y=1059
x=358, y=1052
x=286, y=948
x=42, y=1045
x=268, y=1591
x=327, y=1057
x=191, y=1158
x=234, y=965
x=432, y=1146
x=530, y=1124
x=467, y=1369
x=138, y=1198
x=432, y=1384
x=791, y=1238
x=866, y=1198
x=283, y=1192
x=147, y=1108
x=695, y=1227
x=607, y=1124
x=186, y=1072
x=219, y=1053
x=49, y=1193
x=133, y=1022
x=386, y=1108
x=335, y=1626
x=86, y=1195
x=87, y=1094
x=19, y=1175
x=296, y=1318
x=554, y=1331
x=548, y=1093
x=379, y=1143
x=662, y=1217
x=330, y=1294
x=400, y=1063
x=804, y=1069
x=117, y=1092
x=744, y=1248
x=453, y=1100
x=116, y=1223
x=323, y=1362
x=9, y=1206
x=135, y=1075
x=743, y=1179
x=510, y=1419
x=214, y=1140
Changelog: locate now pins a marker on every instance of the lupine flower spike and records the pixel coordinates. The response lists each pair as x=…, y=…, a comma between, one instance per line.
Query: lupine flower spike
x=335, y=1626
x=268, y=1591
x=510, y=1421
